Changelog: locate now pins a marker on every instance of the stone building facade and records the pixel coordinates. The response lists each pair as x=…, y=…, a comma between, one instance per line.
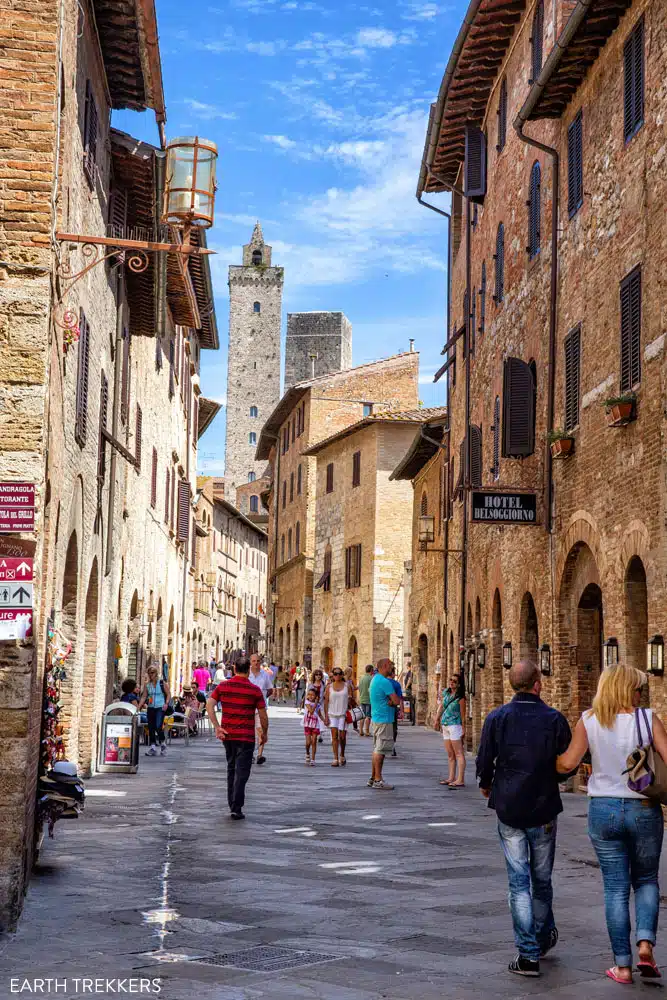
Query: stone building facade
x=253, y=372
x=111, y=553
x=307, y=413
x=317, y=343
x=230, y=579
x=363, y=525
x=565, y=276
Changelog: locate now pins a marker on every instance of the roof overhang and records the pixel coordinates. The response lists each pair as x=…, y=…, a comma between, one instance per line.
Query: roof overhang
x=271, y=428
x=127, y=30
x=235, y=512
x=408, y=418
x=208, y=411
x=477, y=55
x=425, y=445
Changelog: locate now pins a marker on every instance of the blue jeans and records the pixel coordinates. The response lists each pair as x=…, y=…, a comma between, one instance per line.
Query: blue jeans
x=529, y=855
x=627, y=837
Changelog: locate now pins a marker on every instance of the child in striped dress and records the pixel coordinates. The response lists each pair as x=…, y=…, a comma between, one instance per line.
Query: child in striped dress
x=312, y=724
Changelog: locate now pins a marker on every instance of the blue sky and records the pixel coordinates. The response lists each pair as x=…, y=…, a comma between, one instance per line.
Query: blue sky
x=319, y=110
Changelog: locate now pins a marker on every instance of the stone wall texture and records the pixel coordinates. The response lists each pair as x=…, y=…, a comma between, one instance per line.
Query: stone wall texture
x=317, y=343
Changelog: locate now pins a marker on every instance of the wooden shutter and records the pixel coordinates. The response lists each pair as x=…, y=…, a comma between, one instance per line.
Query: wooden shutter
x=158, y=353
x=297, y=542
x=499, y=259
x=125, y=378
x=633, y=81
x=330, y=477
x=291, y=487
x=518, y=409
x=533, y=247
x=356, y=468
x=90, y=130
x=357, y=576
x=117, y=212
x=575, y=166
x=298, y=480
x=82, y=374
x=183, y=530
x=631, y=317
x=475, y=163
x=284, y=493
x=195, y=420
x=172, y=499
x=138, y=422
x=496, y=439
x=502, y=117
x=104, y=411
x=572, y=377
x=475, y=456
x=154, y=480
x=423, y=505
x=347, y=567
x=458, y=489
x=167, y=494
x=536, y=41
x=482, y=300
x=473, y=322
x=172, y=366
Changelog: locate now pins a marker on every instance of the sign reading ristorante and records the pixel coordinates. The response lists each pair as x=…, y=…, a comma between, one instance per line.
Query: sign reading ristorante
x=504, y=508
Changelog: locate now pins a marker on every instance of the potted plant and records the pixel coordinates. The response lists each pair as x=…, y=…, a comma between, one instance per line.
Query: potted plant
x=562, y=443
x=621, y=409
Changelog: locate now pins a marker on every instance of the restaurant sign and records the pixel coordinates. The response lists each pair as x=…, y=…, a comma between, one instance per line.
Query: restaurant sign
x=503, y=508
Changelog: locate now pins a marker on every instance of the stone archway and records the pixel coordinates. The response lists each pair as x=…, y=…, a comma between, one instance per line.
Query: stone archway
x=494, y=686
x=326, y=658
x=280, y=647
x=69, y=627
x=635, y=614
x=353, y=655
x=580, y=630
x=529, y=638
x=422, y=678
x=87, y=741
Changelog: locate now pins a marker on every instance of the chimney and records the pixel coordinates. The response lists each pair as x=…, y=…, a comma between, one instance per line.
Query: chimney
x=412, y=345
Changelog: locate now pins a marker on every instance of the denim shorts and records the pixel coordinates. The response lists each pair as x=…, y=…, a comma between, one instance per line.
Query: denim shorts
x=366, y=709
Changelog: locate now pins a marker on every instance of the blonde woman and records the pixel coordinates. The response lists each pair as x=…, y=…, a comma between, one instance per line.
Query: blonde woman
x=625, y=828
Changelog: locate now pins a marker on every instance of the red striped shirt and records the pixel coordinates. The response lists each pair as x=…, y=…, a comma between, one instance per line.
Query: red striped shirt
x=240, y=699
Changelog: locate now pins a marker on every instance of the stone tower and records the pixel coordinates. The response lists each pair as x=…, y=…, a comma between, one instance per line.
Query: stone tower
x=253, y=376
x=318, y=343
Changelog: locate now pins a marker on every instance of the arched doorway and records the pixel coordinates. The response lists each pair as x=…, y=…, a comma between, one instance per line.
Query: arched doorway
x=589, y=643
x=422, y=678
x=288, y=645
x=87, y=744
x=279, y=648
x=69, y=628
x=529, y=633
x=326, y=658
x=636, y=614
x=580, y=629
x=353, y=655
x=478, y=617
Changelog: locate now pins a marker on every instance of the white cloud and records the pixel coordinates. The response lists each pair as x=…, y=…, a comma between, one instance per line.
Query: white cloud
x=376, y=38
x=281, y=141
x=427, y=11
x=266, y=48
x=208, y=111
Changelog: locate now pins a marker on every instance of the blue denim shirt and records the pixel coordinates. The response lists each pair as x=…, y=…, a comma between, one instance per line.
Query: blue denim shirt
x=517, y=760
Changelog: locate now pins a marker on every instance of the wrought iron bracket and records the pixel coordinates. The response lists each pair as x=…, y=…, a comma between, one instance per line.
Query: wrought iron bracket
x=110, y=439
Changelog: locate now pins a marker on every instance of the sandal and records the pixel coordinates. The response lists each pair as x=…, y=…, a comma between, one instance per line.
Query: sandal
x=611, y=973
x=647, y=969
x=334, y=763
x=445, y=781
x=343, y=762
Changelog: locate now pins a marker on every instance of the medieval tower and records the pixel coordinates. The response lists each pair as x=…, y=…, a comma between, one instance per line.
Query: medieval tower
x=253, y=376
x=317, y=343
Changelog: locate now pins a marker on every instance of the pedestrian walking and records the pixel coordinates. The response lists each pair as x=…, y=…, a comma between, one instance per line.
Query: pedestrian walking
x=516, y=767
x=201, y=675
x=129, y=689
x=399, y=693
x=626, y=829
x=240, y=701
x=451, y=720
x=281, y=685
x=407, y=688
x=155, y=697
x=263, y=680
x=300, y=678
x=312, y=724
x=384, y=701
x=336, y=704
x=365, y=699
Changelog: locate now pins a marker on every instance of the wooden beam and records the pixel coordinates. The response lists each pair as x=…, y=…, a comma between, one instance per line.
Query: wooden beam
x=110, y=241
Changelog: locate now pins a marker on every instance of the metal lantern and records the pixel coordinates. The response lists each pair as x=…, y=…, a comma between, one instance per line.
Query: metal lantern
x=189, y=193
x=655, y=656
x=211, y=578
x=140, y=606
x=507, y=655
x=545, y=659
x=462, y=660
x=426, y=529
x=481, y=656
x=610, y=648
x=472, y=687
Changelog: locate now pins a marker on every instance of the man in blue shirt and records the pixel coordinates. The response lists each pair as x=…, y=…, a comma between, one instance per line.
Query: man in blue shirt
x=516, y=767
x=384, y=702
x=399, y=692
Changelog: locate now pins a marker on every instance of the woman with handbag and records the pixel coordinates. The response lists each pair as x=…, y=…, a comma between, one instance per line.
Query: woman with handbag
x=336, y=704
x=625, y=827
x=155, y=695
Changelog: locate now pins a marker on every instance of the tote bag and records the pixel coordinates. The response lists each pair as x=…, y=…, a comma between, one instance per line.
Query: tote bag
x=646, y=770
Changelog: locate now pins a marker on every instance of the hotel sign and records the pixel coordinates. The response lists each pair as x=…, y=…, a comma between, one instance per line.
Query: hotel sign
x=490, y=507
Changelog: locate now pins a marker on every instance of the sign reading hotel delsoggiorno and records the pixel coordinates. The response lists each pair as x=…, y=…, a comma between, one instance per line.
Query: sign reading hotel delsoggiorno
x=491, y=507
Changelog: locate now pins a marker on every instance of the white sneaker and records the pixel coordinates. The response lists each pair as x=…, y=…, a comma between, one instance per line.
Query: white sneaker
x=152, y=752
x=163, y=751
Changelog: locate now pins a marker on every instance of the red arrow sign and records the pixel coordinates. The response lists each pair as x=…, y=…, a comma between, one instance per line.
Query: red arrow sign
x=15, y=568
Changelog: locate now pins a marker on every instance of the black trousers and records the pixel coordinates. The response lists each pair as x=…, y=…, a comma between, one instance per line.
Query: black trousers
x=155, y=721
x=239, y=764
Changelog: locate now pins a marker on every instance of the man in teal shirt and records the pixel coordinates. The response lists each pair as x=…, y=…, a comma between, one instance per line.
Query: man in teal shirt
x=384, y=702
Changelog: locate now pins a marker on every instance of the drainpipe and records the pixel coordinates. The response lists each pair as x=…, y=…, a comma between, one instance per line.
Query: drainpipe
x=466, y=447
x=115, y=419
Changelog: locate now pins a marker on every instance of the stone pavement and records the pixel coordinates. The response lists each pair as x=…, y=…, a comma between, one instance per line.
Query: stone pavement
x=329, y=890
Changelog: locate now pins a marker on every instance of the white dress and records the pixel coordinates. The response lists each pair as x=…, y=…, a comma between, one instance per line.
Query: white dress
x=338, y=702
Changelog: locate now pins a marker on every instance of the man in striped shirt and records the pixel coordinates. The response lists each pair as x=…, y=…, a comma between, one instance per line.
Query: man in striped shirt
x=239, y=700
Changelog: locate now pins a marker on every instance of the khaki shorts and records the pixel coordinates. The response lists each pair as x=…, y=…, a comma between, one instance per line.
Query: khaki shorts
x=383, y=737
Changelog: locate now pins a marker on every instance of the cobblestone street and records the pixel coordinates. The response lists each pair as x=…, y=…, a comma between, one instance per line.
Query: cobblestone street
x=328, y=890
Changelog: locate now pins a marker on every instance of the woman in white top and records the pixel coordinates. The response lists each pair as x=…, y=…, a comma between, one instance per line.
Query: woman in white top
x=625, y=828
x=336, y=703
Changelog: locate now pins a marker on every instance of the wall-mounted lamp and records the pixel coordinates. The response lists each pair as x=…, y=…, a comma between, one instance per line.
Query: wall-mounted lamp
x=426, y=529
x=507, y=655
x=610, y=651
x=545, y=659
x=471, y=673
x=655, y=656
x=481, y=656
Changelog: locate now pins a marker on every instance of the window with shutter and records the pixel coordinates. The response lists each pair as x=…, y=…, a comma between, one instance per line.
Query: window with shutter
x=475, y=456
x=172, y=513
x=499, y=259
x=451, y=488
x=125, y=378
x=575, y=166
x=458, y=489
x=352, y=566
x=137, y=438
x=572, y=377
x=631, y=320
x=172, y=365
x=82, y=375
x=298, y=480
x=154, y=480
x=537, y=41
x=356, y=468
x=330, y=478
x=518, y=409
x=90, y=130
x=158, y=354
x=495, y=469
x=195, y=419
x=533, y=247
x=291, y=487
x=104, y=410
x=167, y=493
x=183, y=527
x=475, y=163
x=502, y=117
x=282, y=549
x=633, y=81
x=327, y=569
x=117, y=212
x=297, y=538
x=289, y=544
x=473, y=323
x=423, y=505
x=482, y=301
x=284, y=493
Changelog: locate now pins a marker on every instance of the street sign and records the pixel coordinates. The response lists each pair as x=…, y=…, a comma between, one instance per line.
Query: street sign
x=15, y=568
x=15, y=624
x=16, y=596
x=17, y=506
x=495, y=507
x=17, y=547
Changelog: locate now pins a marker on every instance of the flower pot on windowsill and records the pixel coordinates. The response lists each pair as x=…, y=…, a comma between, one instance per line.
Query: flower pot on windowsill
x=562, y=445
x=621, y=410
